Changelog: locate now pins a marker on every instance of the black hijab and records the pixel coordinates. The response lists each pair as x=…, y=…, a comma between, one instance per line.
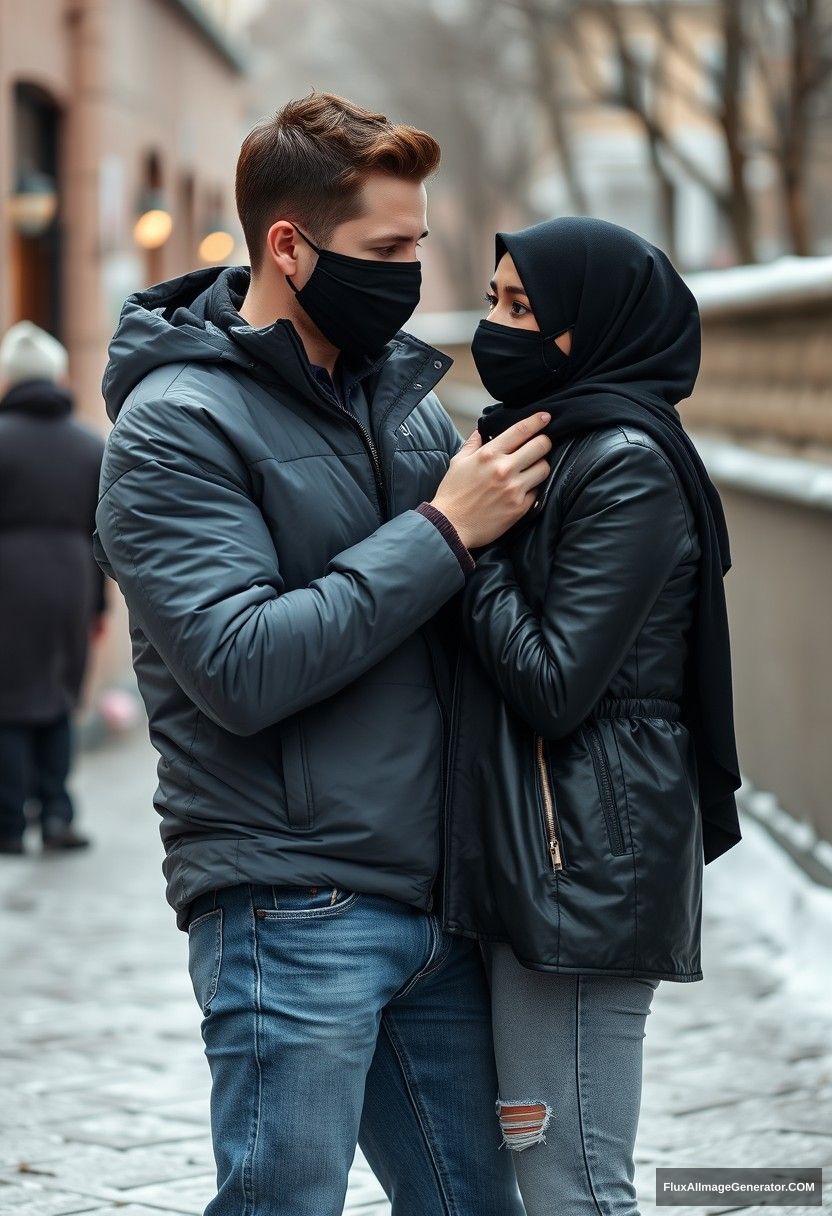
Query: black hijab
x=635, y=355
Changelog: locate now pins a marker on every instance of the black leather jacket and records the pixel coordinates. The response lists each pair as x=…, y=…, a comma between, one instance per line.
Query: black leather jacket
x=573, y=828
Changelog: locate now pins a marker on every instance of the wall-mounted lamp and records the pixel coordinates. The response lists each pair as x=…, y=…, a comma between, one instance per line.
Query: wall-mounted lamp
x=217, y=243
x=34, y=204
x=154, y=222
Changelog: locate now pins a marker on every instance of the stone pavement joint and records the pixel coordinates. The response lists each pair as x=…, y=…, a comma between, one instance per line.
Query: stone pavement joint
x=105, y=1085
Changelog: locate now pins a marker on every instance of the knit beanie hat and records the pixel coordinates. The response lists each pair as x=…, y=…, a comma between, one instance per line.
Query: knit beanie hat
x=28, y=352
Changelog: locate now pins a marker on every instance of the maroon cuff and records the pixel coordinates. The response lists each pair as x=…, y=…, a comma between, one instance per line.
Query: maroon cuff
x=450, y=533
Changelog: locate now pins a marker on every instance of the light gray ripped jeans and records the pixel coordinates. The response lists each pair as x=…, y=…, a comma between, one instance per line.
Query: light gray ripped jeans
x=569, y=1062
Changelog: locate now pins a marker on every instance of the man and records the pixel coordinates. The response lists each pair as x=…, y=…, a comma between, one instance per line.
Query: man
x=51, y=591
x=277, y=506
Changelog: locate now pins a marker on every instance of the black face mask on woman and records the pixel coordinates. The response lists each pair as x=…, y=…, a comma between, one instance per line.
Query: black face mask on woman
x=517, y=366
x=358, y=304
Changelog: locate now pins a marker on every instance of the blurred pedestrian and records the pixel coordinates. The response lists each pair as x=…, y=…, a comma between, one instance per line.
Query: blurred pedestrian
x=51, y=591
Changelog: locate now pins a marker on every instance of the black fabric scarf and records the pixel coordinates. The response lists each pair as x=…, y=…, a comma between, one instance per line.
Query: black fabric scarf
x=635, y=355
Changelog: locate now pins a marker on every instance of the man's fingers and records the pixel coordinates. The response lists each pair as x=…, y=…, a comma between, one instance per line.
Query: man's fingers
x=534, y=475
x=531, y=452
x=520, y=433
x=473, y=442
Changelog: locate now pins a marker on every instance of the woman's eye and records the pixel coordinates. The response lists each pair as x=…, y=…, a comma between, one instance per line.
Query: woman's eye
x=490, y=299
x=519, y=310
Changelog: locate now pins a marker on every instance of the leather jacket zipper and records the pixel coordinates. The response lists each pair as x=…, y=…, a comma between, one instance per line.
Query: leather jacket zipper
x=605, y=786
x=547, y=794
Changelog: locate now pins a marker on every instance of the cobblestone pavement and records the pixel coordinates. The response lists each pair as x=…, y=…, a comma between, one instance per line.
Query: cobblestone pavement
x=105, y=1087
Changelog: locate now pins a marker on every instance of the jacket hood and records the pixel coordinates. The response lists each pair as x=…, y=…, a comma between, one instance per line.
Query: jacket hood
x=196, y=319
x=171, y=323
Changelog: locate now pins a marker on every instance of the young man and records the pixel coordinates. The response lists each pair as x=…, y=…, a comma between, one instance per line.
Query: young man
x=278, y=508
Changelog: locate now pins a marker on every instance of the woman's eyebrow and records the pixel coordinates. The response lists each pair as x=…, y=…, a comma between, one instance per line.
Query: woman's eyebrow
x=512, y=291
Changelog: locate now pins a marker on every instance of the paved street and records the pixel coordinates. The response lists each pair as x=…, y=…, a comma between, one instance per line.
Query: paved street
x=105, y=1086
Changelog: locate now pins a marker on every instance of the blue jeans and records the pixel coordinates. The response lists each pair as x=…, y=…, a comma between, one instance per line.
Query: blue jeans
x=331, y=1018
x=569, y=1057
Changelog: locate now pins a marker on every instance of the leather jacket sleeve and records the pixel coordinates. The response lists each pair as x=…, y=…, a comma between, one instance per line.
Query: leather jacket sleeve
x=178, y=528
x=624, y=533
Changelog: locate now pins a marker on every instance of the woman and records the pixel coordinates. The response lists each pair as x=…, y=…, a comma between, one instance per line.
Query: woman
x=585, y=799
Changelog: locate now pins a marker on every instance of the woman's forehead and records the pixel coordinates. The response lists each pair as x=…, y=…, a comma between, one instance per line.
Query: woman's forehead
x=506, y=270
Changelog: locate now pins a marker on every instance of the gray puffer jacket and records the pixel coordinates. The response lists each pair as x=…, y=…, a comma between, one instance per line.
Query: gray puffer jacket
x=284, y=596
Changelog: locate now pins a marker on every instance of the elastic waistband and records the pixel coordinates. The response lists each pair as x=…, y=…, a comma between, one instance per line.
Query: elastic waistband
x=637, y=707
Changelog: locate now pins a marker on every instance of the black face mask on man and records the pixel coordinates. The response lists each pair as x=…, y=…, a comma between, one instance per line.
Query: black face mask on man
x=358, y=304
x=517, y=366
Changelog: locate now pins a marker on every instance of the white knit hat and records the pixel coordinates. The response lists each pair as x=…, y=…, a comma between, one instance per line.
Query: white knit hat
x=28, y=352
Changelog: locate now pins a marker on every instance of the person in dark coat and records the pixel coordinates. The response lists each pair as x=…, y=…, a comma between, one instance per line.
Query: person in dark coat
x=594, y=762
x=51, y=589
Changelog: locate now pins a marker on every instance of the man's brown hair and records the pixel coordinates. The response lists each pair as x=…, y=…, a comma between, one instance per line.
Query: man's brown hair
x=309, y=162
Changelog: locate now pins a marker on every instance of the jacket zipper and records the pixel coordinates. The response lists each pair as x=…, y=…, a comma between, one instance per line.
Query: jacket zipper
x=552, y=839
x=608, y=802
x=374, y=458
x=367, y=438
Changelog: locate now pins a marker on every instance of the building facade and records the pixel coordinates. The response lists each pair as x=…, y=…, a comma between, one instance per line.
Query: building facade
x=120, y=124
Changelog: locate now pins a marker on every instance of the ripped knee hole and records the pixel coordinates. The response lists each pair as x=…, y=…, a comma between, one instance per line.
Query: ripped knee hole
x=523, y=1124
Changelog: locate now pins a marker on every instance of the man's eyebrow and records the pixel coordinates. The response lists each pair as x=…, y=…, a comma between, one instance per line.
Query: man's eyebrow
x=512, y=291
x=395, y=238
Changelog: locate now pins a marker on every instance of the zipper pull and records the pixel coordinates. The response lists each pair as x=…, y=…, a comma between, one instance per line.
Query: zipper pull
x=554, y=850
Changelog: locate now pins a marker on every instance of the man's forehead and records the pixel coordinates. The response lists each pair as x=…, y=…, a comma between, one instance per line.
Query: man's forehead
x=394, y=205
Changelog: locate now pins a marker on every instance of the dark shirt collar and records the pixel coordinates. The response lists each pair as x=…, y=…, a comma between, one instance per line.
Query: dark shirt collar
x=224, y=299
x=348, y=373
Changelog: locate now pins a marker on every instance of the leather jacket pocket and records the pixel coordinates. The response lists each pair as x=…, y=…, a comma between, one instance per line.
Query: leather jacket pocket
x=546, y=793
x=299, y=803
x=606, y=788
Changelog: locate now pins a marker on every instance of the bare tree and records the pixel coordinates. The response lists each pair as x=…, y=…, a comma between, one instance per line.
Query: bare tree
x=778, y=50
x=792, y=48
x=504, y=85
x=545, y=32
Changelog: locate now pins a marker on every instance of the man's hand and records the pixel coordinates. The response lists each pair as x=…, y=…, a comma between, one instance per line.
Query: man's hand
x=489, y=486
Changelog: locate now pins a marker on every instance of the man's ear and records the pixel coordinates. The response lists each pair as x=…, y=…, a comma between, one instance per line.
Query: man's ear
x=282, y=247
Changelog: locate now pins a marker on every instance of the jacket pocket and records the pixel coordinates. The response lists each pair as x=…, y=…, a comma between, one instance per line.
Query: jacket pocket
x=546, y=793
x=299, y=802
x=606, y=788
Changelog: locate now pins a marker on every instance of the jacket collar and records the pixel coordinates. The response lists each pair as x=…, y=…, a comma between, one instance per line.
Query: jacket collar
x=405, y=371
x=43, y=398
